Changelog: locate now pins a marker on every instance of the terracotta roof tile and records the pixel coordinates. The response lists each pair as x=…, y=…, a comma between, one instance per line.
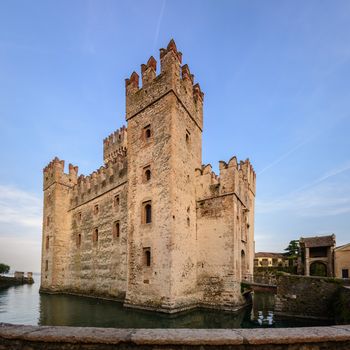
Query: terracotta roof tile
x=322, y=241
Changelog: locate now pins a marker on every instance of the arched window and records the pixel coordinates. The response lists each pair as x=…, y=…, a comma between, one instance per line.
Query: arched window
x=147, y=256
x=147, y=133
x=148, y=174
x=148, y=213
x=95, y=236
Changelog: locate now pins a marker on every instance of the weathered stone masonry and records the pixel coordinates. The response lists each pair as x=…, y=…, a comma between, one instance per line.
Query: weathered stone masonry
x=152, y=227
x=18, y=337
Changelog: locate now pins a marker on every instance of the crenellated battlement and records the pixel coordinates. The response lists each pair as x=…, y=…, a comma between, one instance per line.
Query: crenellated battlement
x=172, y=78
x=237, y=178
x=115, y=144
x=54, y=172
x=113, y=173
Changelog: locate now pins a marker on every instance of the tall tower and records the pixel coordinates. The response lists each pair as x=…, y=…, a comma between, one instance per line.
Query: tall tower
x=165, y=118
x=56, y=224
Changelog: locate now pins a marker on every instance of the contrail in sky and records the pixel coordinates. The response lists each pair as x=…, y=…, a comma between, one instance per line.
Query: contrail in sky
x=324, y=177
x=158, y=25
x=284, y=156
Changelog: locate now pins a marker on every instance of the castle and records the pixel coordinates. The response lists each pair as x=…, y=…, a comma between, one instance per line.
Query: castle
x=152, y=227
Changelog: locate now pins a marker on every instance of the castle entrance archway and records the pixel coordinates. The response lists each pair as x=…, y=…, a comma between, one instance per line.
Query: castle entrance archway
x=318, y=268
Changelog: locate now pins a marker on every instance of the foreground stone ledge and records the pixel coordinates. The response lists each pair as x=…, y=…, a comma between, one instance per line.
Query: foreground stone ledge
x=47, y=337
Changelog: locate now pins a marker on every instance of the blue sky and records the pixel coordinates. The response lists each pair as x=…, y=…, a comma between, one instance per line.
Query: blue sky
x=275, y=76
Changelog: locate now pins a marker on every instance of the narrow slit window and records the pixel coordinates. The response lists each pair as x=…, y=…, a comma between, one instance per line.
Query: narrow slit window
x=95, y=236
x=96, y=209
x=116, y=201
x=46, y=265
x=116, y=229
x=188, y=136
x=147, y=256
x=47, y=242
x=79, y=240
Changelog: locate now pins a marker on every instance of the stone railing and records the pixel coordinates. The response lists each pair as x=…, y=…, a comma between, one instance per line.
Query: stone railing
x=313, y=338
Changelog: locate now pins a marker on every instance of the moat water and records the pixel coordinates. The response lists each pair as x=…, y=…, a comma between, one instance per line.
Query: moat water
x=24, y=305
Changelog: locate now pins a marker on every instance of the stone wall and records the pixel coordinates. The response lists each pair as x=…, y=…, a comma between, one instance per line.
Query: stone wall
x=6, y=281
x=342, y=306
x=17, y=337
x=303, y=296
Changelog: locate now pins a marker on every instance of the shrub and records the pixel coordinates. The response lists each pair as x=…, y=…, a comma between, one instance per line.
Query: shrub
x=4, y=268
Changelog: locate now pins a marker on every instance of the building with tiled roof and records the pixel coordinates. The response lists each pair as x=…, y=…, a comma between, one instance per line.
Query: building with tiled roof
x=318, y=255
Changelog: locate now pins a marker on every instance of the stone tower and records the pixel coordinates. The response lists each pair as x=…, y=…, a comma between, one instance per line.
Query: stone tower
x=165, y=120
x=56, y=223
x=153, y=227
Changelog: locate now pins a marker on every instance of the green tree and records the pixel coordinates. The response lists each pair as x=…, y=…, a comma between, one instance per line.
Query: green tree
x=4, y=268
x=293, y=249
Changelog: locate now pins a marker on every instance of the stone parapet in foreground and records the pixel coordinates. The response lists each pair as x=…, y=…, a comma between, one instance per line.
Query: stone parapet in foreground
x=34, y=337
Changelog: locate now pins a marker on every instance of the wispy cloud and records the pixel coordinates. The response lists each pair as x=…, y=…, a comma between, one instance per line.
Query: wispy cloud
x=19, y=208
x=20, y=228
